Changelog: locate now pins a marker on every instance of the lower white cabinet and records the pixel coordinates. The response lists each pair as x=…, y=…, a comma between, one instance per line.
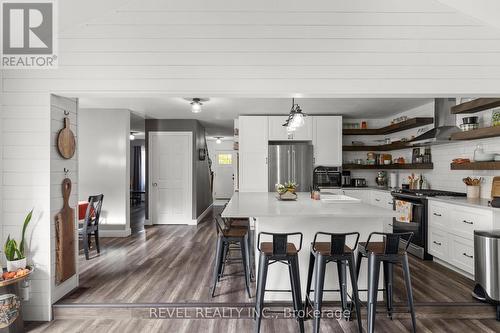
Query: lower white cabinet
x=451, y=232
x=382, y=199
x=363, y=195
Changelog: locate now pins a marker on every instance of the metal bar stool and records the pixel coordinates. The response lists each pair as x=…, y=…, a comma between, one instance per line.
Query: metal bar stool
x=323, y=253
x=227, y=236
x=389, y=253
x=279, y=251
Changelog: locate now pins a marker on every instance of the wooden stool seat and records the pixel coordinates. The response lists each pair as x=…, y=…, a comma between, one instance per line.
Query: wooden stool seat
x=267, y=248
x=324, y=248
x=239, y=223
x=235, y=232
x=373, y=247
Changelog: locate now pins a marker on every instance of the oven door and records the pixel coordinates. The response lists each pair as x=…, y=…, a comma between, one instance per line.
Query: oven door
x=417, y=225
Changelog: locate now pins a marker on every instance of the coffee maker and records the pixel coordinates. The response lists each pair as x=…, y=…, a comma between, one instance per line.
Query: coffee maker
x=346, y=178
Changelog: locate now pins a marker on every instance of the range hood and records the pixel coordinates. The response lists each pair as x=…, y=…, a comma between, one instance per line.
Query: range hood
x=445, y=124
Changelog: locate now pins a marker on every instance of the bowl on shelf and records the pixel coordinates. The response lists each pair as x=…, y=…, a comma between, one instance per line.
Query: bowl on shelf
x=484, y=157
x=468, y=127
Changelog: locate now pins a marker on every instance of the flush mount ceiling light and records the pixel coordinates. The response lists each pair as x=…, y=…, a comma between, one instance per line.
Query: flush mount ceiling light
x=295, y=118
x=218, y=141
x=196, y=103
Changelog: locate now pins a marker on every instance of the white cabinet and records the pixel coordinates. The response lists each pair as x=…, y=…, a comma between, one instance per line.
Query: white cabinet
x=253, y=142
x=278, y=132
x=451, y=232
x=327, y=140
x=382, y=199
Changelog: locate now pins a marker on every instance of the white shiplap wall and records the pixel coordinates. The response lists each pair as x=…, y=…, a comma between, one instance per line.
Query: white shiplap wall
x=58, y=107
x=232, y=48
x=26, y=185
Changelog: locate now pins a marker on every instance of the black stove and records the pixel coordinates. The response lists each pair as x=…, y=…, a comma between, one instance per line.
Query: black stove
x=419, y=220
x=431, y=193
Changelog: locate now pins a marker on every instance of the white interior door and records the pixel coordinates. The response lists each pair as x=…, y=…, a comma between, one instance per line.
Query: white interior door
x=171, y=177
x=223, y=181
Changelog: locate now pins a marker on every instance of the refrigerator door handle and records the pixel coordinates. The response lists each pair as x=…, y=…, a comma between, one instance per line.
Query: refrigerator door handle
x=289, y=164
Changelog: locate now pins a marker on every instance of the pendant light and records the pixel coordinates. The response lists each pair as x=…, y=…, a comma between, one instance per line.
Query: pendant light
x=295, y=118
x=131, y=136
x=218, y=141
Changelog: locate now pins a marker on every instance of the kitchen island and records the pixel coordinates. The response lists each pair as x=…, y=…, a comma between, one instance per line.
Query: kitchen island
x=268, y=214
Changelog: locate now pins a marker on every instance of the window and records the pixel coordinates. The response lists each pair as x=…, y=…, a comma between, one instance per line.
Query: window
x=225, y=159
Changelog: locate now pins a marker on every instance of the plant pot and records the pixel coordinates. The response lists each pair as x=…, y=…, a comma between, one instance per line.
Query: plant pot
x=473, y=192
x=14, y=265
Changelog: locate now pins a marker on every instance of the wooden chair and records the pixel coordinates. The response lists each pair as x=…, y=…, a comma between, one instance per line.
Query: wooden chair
x=91, y=224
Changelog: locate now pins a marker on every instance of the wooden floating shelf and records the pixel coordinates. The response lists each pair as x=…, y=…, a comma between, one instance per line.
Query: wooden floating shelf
x=480, y=133
x=476, y=166
x=476, y=105
x=392, y=146
x=407, y=166
x=404, y=125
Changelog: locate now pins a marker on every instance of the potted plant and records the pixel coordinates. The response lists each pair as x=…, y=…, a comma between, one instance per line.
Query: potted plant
x=16, y=258
x=287, y=191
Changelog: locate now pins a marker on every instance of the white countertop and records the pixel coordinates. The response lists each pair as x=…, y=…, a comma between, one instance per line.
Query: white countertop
x=463, y=201
x=266, y=204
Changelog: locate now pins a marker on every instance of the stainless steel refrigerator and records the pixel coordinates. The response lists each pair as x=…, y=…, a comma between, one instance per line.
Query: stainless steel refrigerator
x=291, y=162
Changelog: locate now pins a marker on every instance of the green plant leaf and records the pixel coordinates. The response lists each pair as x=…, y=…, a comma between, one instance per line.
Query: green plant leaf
x=25, y=225
x=11, y=249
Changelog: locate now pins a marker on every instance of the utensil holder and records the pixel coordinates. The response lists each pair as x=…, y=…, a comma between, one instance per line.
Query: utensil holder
x=473, y=191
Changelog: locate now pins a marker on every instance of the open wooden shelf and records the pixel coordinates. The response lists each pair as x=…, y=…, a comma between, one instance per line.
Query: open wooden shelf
x=407, y=166
x=476, y=105
x=404, y=125
x=391, y=146
x=480, y=133
x=476, y=166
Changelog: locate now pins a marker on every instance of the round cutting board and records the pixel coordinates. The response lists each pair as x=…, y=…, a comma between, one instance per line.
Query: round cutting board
x=66, y=141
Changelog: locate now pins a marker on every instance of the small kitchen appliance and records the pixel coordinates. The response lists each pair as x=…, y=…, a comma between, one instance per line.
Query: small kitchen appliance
x=346, y=178
x=358, y=182
x=327, y=177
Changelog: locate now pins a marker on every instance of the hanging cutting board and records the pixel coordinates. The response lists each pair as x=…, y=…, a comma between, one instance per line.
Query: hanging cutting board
x=66, y=141
x=495, y=187
x=65, y=237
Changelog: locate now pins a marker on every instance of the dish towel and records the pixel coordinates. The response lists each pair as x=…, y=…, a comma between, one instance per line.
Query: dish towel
x=404, y=210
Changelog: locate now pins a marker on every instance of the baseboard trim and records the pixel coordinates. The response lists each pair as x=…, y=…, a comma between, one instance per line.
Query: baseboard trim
x=205, y=213
x=114, y=233
x=148, y=222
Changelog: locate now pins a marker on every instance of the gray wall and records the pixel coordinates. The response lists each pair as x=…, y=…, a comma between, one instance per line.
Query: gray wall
x=202, y=198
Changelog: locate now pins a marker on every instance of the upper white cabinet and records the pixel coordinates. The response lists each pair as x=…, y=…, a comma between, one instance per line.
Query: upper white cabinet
x=327, y=140
x=278, y=132
x=253, y=141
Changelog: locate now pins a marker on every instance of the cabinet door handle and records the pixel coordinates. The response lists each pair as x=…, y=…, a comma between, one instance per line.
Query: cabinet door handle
x=468, y=256
x=467, y=222
x=390, y=224
x=378, y=200
x=390, y=203
x=266, y=160
x=437, y=243
x=437, y=214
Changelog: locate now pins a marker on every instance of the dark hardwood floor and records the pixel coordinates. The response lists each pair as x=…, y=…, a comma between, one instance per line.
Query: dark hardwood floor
x=171, y=266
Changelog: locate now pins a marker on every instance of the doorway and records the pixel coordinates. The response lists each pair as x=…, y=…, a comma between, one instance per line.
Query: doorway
x=224, y=174
x=170, y=190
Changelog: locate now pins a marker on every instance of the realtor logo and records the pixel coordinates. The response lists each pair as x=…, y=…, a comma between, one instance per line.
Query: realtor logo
x=28, y=34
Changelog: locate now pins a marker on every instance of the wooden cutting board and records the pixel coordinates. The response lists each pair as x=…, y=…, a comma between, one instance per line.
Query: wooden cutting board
x=65, y=237
x=66, y=141
x=495, y=187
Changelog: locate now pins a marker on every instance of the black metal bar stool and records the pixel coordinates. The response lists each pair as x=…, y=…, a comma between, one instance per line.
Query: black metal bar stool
x=226, y=236
x=279, y=251
x=323, y=253
x=389, y=253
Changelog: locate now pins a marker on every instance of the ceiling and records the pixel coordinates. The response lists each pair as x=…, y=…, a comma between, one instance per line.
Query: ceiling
x=218, y=113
